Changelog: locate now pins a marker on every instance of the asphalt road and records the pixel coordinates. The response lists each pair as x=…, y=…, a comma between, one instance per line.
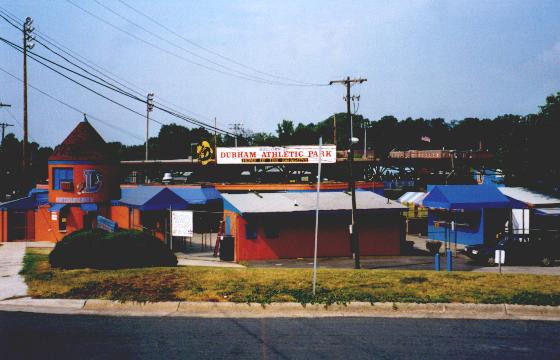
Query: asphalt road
x=44, y=336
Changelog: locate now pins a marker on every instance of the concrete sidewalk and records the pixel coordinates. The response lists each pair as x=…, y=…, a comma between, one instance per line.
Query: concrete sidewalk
x=11, y=261
x=204, y=259
x=283, y=310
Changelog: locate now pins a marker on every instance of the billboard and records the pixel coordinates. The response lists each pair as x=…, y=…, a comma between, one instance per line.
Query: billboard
x=303, y=154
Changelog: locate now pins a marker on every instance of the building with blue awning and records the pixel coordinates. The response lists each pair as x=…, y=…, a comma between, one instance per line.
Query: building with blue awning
x=84, y=185
x=466, y=214
x=532, y=210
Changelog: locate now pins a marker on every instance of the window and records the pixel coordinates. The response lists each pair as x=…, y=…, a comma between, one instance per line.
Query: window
x=62, y=175
x=250, y=231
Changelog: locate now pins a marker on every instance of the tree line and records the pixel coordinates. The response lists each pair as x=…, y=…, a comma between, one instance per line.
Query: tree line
x=525, y=145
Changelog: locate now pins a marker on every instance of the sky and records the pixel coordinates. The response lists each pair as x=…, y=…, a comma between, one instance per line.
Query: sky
x=450, y=59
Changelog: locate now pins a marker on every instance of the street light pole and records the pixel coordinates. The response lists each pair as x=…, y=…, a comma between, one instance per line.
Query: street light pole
x=354, y=238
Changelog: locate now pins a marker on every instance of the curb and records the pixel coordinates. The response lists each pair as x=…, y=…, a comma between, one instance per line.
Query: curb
x=282, y=310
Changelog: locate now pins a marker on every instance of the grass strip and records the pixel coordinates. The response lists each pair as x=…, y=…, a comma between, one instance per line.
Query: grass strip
x=268, y=285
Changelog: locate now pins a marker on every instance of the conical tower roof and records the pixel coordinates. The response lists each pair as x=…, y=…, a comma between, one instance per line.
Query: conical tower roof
x=84, y=144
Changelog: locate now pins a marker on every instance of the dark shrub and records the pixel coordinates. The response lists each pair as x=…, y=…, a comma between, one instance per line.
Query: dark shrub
x=100, y=249
x=433, y=246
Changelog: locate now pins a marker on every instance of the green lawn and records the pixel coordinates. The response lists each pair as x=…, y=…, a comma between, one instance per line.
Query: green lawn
x=281, y=285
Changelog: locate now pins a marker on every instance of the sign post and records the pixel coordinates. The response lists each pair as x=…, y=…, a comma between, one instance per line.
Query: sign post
x=500, y=258
x=317, y=217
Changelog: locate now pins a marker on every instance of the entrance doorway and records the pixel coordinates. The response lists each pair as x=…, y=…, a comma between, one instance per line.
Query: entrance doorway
x=89, y=221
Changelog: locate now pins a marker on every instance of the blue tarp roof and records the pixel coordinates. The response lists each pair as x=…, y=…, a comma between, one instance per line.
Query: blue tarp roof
x=35, y=198
x=151, y=198
x=25, y=203
x=57, y=207
x=89, y=207
x=41, y=195
x=37, y=191
x=467, y=197
x=161, y=198
x=197, y=196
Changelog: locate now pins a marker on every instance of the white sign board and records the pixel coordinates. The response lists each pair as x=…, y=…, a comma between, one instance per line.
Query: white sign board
x=500, y=257
x=303, y=154
x=182, y=223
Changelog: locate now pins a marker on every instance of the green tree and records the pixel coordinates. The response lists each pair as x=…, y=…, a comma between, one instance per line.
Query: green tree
x=285, y=131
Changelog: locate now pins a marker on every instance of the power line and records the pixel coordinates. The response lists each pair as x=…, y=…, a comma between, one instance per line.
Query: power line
x=188, y=119
x=243, y=77
x=181, y=47
x=68, y=106
x=212, y=51
x=60, y=47
x=73, y=80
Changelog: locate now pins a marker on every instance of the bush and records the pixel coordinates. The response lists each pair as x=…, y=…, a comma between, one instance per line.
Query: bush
x=433, y=246
x=100, y=249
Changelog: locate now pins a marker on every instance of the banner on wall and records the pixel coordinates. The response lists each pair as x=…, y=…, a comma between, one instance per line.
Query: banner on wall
x=303, y=154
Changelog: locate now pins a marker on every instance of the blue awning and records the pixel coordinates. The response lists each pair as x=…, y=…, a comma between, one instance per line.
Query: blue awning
x=25, y=203
x=89, y=207
x=57, y=207
x=465, y=197
x=148, y=198
x=153, y=198
x=196, y=195
x=548, y=211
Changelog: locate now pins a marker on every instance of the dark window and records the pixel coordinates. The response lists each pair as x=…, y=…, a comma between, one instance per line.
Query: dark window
x=62, y=175
x=62, y=220
x=250, y=231
x=271, y=231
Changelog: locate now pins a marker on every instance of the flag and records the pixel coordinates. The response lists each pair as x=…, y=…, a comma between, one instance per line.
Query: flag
x=426, y=138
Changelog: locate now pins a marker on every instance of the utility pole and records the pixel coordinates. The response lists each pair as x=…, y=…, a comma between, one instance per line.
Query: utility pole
x=149, y=109
x=215, y=136
x=237, y=129
x=366, y=126
x=27, y=44
x=4, y=125
x=354, y=239
x=334, y=129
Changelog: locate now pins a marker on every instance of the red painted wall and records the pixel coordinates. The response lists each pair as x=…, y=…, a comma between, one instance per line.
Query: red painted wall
x=30, y=225
x=109, y=190
x=3, y=226
x=380, y=234
x=120, y=215
x=47, y=229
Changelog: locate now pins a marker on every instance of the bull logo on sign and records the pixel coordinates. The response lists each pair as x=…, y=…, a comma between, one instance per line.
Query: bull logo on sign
x=205, y=152
x=93, y=181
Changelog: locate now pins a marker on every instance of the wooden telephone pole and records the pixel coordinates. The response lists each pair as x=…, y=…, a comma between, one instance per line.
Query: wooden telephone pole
x=27, y=44
x=354, y=238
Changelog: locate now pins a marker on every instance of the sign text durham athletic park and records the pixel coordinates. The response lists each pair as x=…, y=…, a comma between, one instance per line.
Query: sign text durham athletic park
x=276, y=154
